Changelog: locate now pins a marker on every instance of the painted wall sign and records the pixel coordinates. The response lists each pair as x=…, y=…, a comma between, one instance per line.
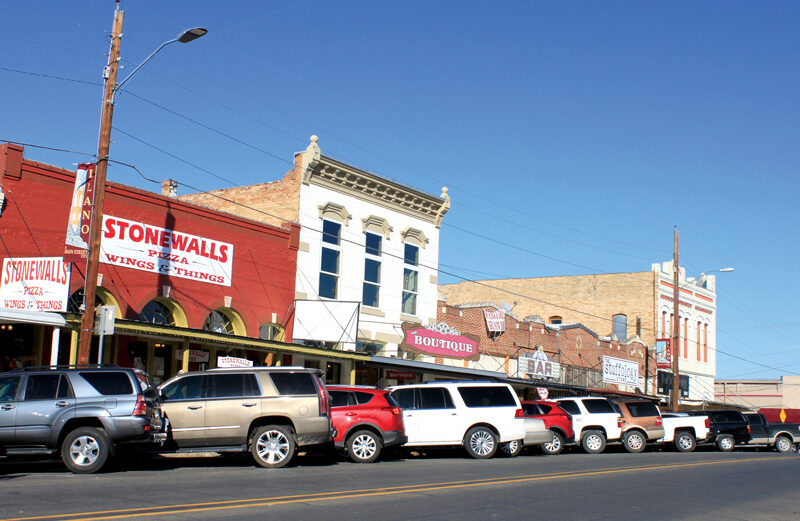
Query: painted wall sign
x=539, y=365
x=440, y=340
x=495, y=320
x=619, y=371
x=168, y=252
x=35, y=284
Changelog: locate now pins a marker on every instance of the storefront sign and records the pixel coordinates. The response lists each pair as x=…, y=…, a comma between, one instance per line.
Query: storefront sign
x=400, y=375
x=196, y=356
x=440, y=340
x=664, y=353
x=79, y=221
x=495, y=320
x=168, y=252
x=232, y=361
x=619, y=371
x=543, y=393
x=35, y=284
x=538, y=365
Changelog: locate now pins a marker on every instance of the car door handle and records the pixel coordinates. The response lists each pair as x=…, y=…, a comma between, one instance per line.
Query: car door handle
x=194, y=407
x=453, y=414
x=62, y=404
x=350, y=414
x=249, y=404
x=7, y=407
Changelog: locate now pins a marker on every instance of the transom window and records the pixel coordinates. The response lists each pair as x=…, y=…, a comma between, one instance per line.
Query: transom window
x=410, y=279
x=331, y=253
x=372, y=270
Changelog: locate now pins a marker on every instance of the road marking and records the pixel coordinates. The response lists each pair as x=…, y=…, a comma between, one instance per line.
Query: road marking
x=351, y=494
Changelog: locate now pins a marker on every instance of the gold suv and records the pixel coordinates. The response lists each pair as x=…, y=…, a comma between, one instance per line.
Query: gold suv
x=269, y=411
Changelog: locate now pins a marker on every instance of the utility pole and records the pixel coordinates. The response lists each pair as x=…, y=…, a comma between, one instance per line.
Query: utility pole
x=676, y=327
x=93, y=256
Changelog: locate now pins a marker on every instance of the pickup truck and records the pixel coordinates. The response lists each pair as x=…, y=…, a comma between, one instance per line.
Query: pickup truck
x=685, y=431
x=781, y=436
x=728, y=427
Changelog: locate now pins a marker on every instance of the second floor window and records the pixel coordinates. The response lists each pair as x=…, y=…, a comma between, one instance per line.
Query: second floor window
x=329, y=266
x=410, y=279
x=372, y=270
x=620, y=326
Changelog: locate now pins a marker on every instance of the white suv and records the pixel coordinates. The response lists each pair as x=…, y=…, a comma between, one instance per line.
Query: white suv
x=478, y=415
x=594, y=420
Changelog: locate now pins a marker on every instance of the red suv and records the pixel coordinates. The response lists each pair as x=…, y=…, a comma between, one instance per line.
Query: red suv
x=366, y=420
x=555, y=418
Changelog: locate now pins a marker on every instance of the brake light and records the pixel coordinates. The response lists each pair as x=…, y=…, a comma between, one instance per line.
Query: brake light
x=708, y=423
x=620, y=422
x=140, y=409
x=748, y=429
x=324, y=397
x=659, y=421
x=394, y=410
x=519, y=413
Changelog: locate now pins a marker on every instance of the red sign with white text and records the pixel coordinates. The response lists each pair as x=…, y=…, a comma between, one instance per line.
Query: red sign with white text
x=431, y=342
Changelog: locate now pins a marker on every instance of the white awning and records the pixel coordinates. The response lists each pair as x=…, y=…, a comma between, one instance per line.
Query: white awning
x=31, y=317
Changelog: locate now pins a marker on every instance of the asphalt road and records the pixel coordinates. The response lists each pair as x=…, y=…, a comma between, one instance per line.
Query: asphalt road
x=445, y=485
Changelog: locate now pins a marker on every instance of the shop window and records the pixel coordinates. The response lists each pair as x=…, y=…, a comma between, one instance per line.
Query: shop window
x=330, y=261
x=372, y=270
x=410, y=279
x=620, y=326
x=271, y=332
x=156, y=312
x=555, y=319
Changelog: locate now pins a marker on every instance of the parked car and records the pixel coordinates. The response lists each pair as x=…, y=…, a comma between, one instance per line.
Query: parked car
x=269, y=411
x=594, y=420
x=366, y=420
x=780, y=436
x=477, y=415
x=728, y=427
x=556, y=420
x=641, y=423
x=684, y=430
x=85, y=414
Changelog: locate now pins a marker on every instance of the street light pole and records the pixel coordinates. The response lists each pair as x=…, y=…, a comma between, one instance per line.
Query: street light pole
x=676, y=327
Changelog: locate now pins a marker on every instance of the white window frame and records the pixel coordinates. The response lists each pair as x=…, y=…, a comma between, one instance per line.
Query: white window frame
x=375, y=258
x=334, y=247
x=414, y=268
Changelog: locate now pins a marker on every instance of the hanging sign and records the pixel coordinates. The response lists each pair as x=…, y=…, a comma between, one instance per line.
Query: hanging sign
x=232, y=361
x=35, y=284
x=539, y=366
x=79, y=220
x=440, y=340
x=619, y=371
x=495, y=320
x=164, y=251
x=543, y=393
x=664, y=353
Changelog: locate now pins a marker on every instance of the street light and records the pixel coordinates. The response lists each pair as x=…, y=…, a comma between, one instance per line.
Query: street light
x=109, y=93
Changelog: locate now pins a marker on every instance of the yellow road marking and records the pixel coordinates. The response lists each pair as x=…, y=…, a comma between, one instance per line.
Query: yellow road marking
x=383, y=491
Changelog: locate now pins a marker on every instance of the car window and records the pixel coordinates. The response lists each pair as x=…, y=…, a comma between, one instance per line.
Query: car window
x=363, y=398
x=545, y=408
x=727, y=416
x=341, y=398
x=570, y=406
x=42, y=386
x=487, y=396
x=64, y=388
x=598, y=405
x=109, y=382
x=232, y=385
x=435, y=398
x=8, y=388
x=390, y=400
x=404, y=398
x=294, y=383
x=186, y=388
x=641, y=409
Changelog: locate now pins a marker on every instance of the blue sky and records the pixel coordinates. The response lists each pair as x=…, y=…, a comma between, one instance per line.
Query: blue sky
x=575, y=135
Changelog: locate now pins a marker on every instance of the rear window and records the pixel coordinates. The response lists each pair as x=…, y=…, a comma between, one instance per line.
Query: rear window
x=42, y=386
x=641, y=409
x=530, y=409
x=363, y=398
x=570, y=406
x=489, y=396
x=340, y=398
x=109, y=382
x=599, y=405
x=435, y=398
x=404, y=398
x=233, y=385
x=727, y=416
x=545, y=408
x=294, y=383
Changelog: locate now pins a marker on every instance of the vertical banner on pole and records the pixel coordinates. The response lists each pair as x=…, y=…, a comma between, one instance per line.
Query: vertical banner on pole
x=79, y=221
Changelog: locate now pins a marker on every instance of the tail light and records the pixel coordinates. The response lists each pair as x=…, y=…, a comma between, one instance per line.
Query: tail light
x=748, y=429
x=324, y=397
x=394, y=410
x=140, y=409
x=708, y=423
x=519, y=413
x=620, y=422
x=659, y=421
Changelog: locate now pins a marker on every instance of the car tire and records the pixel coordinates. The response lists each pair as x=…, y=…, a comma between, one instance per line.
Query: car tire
x=511, y=448
x=273, y=446
x=551, y=448
x=593, y=442
x=634, y=441
x=783, y=444
x=726, y=443
x=480, y=442
x=685, y=441
x=85, y=450
x=364, y=446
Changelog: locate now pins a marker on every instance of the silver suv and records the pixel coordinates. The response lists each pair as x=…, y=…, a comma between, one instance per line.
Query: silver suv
x=269, y=411
x=84, y=414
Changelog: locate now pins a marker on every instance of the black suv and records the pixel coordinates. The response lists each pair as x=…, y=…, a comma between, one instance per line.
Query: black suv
x=84, y=414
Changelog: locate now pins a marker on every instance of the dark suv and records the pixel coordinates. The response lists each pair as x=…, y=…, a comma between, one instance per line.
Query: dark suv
x=84, y=414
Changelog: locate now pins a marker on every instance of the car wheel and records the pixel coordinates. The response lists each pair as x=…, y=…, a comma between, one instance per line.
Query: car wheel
x=555, y=446
x=685, y=441
x=480, y=442
x=273, y=446
x=725, y=443
x=634, y=441
x=593, y=442
x=364, y=447
x=783, y=444
x=85, y=450
x=511, y=448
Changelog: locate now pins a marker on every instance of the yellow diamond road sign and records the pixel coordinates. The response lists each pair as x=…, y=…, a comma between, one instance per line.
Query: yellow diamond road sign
x=783, y=416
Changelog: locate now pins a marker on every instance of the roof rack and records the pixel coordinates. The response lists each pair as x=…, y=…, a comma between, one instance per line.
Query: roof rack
x=64, y=366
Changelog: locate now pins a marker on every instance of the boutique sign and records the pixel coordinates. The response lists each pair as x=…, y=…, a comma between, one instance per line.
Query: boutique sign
x=168, y=252
x=440, y=340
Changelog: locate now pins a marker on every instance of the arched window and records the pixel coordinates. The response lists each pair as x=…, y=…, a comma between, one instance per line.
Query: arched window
x=217, y=322
x=157, y=312
x=620, y=326
x=271, y=332
x=555, y=319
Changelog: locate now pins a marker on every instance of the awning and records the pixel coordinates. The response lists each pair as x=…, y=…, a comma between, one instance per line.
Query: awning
x=43, y=318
